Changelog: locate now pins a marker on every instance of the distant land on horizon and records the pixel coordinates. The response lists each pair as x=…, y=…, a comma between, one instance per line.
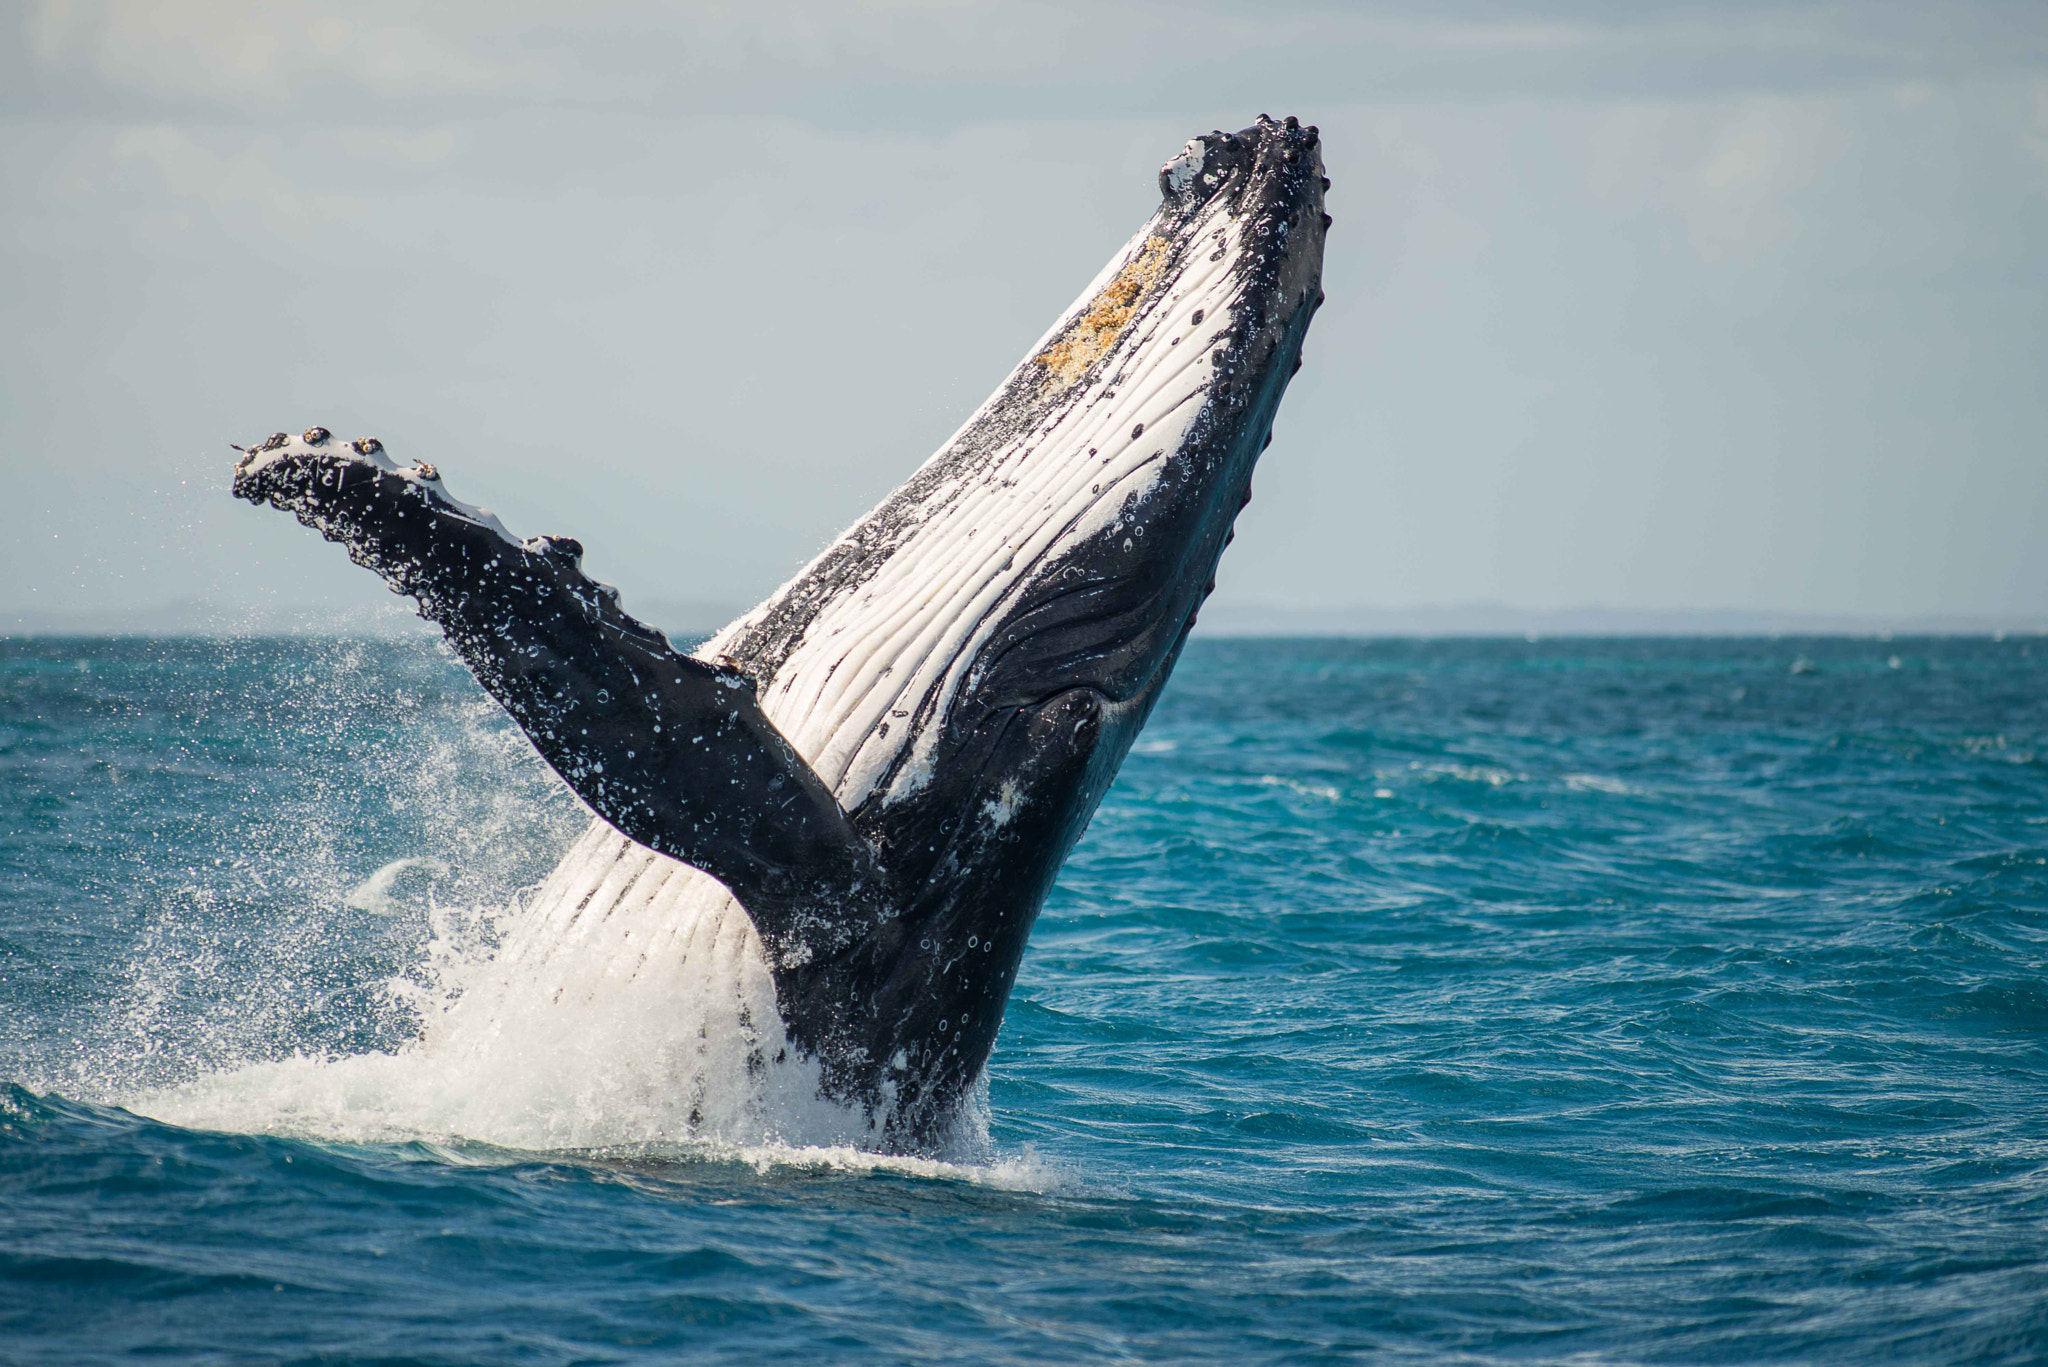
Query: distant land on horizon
x=1499, y=619
x=688, y=618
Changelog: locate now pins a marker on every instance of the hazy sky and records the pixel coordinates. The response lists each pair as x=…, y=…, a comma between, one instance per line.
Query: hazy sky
x=1639, y=305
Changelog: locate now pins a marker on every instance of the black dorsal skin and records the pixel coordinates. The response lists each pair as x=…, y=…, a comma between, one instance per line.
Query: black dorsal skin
x=894, y=930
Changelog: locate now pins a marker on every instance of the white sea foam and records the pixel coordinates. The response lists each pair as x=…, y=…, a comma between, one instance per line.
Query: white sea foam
x=641, y=1021
x=1597, y=783
x=253, y=1000
x=621, y=1076
x=374, y=892
x=553, y=1050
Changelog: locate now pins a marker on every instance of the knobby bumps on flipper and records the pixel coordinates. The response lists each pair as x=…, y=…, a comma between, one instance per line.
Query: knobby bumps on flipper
x=673, y=751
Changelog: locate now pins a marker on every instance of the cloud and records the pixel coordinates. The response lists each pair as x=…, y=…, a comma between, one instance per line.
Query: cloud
x=262, y=56
x=2035, y=137
x=226, y=181
x=908, y=64
x=1731, y=171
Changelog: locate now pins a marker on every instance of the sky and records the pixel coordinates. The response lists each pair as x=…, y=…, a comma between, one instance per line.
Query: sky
x=1732, y=305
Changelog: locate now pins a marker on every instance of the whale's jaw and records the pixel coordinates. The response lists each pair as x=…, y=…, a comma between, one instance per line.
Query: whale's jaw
x=888, y=760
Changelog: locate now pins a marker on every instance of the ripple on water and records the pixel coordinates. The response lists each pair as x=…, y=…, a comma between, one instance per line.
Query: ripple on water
x=1452, y=1001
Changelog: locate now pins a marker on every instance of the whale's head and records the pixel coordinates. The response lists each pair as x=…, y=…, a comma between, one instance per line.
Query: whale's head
x=1066, y=534
x=1091, y=498
x=1164, y=421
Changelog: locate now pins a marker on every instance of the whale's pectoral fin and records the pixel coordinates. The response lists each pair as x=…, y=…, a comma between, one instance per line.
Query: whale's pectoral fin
x=673, y=751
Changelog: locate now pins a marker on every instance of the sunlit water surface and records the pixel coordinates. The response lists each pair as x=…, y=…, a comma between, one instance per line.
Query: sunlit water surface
x=1571, y=1001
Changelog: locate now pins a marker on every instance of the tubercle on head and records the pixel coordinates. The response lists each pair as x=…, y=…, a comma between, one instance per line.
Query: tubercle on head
x=1209, y=162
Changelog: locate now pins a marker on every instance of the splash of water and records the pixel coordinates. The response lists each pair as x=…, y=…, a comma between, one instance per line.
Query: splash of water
x=538, y=1036
x=438, y=999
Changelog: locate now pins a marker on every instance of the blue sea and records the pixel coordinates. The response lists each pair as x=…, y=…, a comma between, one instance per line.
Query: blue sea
x=1642, y=1001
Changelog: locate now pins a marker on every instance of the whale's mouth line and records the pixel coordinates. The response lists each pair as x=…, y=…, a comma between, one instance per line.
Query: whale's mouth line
x=885, y=764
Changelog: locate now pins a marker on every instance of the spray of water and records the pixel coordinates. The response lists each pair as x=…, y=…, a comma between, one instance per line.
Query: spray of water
x=379, y=960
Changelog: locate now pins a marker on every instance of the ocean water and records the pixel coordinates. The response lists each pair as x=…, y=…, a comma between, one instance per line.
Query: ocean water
x=1486, y=1001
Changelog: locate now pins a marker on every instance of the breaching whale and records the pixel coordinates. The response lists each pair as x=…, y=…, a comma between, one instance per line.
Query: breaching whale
x=885, y=764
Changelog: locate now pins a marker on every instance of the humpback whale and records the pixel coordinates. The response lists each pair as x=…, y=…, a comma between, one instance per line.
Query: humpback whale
x=882, y=767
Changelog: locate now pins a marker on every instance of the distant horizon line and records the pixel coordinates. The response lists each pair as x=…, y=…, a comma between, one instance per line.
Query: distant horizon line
x=686, y=617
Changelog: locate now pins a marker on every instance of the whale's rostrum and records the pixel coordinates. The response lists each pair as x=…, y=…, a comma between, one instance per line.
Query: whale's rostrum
x=885, y=763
